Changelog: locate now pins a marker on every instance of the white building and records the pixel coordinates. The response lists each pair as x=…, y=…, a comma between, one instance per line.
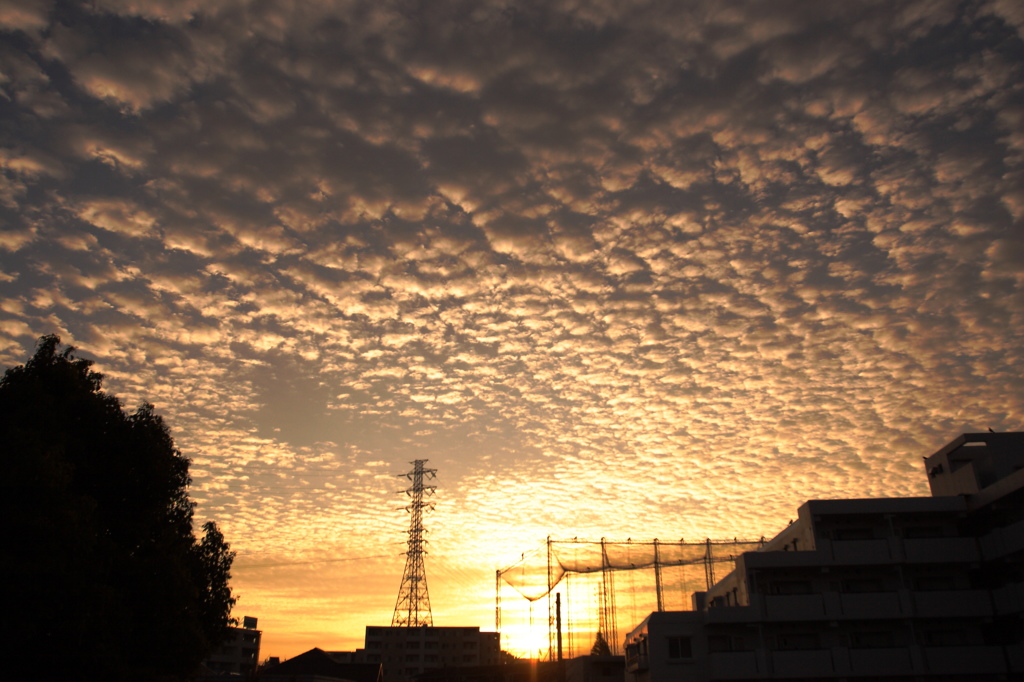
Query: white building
x=897, y=589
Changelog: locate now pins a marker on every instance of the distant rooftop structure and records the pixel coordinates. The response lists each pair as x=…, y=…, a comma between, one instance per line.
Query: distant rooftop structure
x=974, y=461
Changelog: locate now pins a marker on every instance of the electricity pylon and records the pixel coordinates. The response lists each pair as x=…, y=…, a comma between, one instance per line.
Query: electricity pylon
x=413, y=606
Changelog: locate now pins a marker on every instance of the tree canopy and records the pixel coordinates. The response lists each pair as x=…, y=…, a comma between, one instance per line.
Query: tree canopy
x=103, y=572
x=600, y=647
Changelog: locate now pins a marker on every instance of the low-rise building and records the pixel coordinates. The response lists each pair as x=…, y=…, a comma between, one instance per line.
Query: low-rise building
x=900, y=588
x=406, y=652
x=239, y=654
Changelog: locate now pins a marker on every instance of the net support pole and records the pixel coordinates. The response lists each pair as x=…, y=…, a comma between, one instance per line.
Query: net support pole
x=658, y=587
x=550, y=614
x=497, y=603
x=709, y=564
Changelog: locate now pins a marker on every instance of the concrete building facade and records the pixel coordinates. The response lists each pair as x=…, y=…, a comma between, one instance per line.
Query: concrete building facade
x=239, y=655
x=406, y=652
x=899, y=589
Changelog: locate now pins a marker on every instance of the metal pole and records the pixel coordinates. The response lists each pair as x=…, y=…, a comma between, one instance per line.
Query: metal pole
x=558, y=621
x=659, y=589
x=550, y=647
x=709, y=566
x=497, y=603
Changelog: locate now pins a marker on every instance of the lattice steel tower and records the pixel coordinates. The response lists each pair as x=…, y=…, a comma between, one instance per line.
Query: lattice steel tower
x=413, y=606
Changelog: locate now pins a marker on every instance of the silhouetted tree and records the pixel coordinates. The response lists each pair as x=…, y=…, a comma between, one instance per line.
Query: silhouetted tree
x=103, y=575
x=600, y=647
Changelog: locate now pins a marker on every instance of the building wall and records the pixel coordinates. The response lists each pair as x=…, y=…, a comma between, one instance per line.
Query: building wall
x=240, y=652
x=408, y=651
x=895, y=588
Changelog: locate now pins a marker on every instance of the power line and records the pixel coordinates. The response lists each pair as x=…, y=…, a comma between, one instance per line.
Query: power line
x=316, y=561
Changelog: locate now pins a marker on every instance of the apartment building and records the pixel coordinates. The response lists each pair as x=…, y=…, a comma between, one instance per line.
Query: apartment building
x=240, y=653
x=925, y=588
x=406, y=652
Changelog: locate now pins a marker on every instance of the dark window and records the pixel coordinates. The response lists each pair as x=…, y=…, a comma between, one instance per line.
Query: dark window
x=851, y=533
x=791, y=587
x=719, y=643
x=935, y=583
x=923, y=532
x=799, y=641
x=945, y=638
x=680, y=647
x=871, y=640
x=856, y=585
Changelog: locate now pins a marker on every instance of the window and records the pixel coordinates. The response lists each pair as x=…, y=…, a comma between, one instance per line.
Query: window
x=791, y=587
x=871, y=640
x=945, y=638
x=680, y=648
x=798, y=641
x=719, y=643
x=935, y=583
x=851, y=533
x=861, y=585
x=915, y=532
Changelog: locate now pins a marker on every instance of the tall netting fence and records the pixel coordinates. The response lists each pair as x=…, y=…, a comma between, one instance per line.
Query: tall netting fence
x=574, y=589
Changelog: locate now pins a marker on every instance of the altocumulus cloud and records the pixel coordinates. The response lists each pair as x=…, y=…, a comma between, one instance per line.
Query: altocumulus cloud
x=616, y=269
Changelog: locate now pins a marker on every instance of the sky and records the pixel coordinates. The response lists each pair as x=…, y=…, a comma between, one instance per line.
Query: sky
x=631, y=269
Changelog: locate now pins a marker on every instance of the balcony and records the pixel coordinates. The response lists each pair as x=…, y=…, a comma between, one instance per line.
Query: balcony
x=1009, y=599
x=870, y=605
x=1002, y=542
x=965, y=660
x=784, y=607
x=952, y=603
x=732, y=614
x=636, y=661
x=880, y=661
x=1015, y=656
x=733, y=665
x=940, y=550
x=796, y=664
x=861, y=551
